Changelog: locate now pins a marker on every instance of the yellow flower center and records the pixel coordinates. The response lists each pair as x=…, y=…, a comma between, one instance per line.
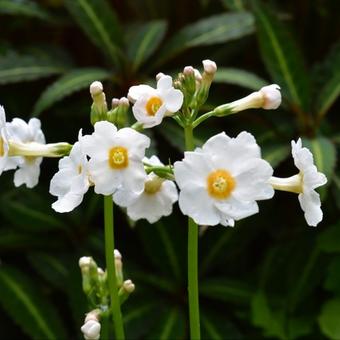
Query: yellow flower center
x=118, y=157
x=153, y=105
x=220, y=184
x=2, y=149
x=153, y=185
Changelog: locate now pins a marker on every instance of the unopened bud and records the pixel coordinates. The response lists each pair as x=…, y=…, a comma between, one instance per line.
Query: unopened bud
x=209, y=66
x=188, y=70
x=114, y=103
x=159, y=75
x=119, y=267
x=198, y=75
x=124, y=102
x=125, y=290
x=117, y=254
x=84, y=262
x=96, y=88
x=271, y=97
x=91, y=330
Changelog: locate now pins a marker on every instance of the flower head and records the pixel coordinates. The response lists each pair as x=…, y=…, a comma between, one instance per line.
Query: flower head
x=72, y=180
x=154, y=201
x=271, y=97
x=151, y=105
x=6, y=162
x=221, y=181
x=29, y=166
x=116, y=158
x=310, y=179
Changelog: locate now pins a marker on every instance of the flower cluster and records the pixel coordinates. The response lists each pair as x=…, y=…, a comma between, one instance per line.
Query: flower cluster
x=219, y=183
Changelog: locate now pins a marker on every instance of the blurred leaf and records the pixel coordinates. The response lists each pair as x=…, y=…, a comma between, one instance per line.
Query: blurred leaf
x=171, y=325
x=28, y=307
x=328, y=240
x=329, y=93
x=282, y=57
x=16, y=68
x=208, y=31
x=332, y=282
x=226, y=290
x=51, y=268
x=275, y=153
x=216, y=326
x=329, y=319
x=324, y=153
x=234, y=5
x=144, y=40
x=71, y=82
x=239, y=77
x=100, y=23
x=24, y=8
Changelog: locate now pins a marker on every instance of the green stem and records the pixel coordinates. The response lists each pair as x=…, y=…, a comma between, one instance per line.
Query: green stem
x=111, y=269
x=194, y=315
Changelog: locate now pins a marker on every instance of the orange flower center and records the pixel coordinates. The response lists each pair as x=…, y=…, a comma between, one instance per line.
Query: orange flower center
x=2, y=149
x=118, y=157
x=220, y=184
x=153, y=105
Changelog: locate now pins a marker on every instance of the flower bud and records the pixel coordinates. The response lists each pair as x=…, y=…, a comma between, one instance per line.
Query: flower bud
x=99, y=106
x=114, y=103
x=91, y=330
x=198, y=75
x=84, y=262
x=209, y=66
x=125, y=290
x=188, y=71
x=119, y=267
x=96, y=88
x=117, y=254
x=271, y=97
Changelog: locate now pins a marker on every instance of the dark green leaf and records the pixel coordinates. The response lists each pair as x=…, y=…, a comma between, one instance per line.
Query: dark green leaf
x=329, y=319
x=71, y=82
x=24, y=8
x=328, y=240
x=15, y=68
x=23, y=301
x=282, y=57
x=275, y=153
x=213, y=30
x=239, y=77
x=144, y=40
x=332, y=282
x=100, y=23
x=226, y=290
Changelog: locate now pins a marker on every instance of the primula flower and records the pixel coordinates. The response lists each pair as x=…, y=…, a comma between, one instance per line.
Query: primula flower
x=151, y=105
x=155, y=201
x=72, y=180
x=221, y=181
x=27, y=134
x=116, y=158
x=304, y=183
x=6, y=162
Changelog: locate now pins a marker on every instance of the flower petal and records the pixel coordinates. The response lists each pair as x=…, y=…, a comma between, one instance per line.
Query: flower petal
x=311, y=205
x=135, y=92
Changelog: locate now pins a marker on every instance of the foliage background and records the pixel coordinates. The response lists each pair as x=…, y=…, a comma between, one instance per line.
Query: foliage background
x=272, y=275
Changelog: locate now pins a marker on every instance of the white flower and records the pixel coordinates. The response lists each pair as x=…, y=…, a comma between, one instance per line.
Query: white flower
x=6, y=162
x=221, y=181
x=304, y=183
x=151, y=105
x=29, y=166
x=72, y=180
x=311, y=179
x=116, y=158
x=209, y=66
x=154, y=202
x=91, y=330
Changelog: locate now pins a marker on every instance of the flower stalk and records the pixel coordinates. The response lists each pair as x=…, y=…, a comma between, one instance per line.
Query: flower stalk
x=194, y=315
x=111, y=268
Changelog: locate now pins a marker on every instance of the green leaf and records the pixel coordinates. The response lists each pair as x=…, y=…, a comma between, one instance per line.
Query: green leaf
x=282, y=57
x=234, y=5
x=275, y=153
x=226, y=290
x=71, y=82
x=216, y=29
x=15, y=68
x=324, y=153
x=329, y=319
x=100, y=23
x=329, y=239
x=329, y=93
x=144, y=40
x=24, y=8
x=332, y=282
x=239, y=77
x=24, y=302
